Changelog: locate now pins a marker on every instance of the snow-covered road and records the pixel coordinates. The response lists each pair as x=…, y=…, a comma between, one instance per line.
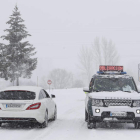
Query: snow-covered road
x=70, y=124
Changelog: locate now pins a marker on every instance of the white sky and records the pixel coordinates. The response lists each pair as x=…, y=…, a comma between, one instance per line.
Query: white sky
x=60, y=27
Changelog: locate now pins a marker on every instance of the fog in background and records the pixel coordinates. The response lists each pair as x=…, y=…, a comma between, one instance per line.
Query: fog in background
x=59, y=28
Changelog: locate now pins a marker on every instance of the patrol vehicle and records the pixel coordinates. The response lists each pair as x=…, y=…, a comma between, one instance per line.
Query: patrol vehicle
x=112, y=96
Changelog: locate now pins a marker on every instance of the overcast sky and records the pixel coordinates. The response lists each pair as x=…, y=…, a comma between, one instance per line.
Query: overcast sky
x=60, y=27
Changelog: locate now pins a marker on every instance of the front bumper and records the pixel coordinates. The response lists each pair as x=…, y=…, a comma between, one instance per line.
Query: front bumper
x=104, y=114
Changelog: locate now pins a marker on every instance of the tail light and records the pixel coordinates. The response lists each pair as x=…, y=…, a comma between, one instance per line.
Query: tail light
x=34, y=106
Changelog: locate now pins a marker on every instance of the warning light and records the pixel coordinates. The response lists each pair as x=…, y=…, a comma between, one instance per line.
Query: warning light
x=111, y=68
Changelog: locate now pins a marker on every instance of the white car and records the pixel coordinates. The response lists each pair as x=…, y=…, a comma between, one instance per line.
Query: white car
x=112, y=96
x=27, y=104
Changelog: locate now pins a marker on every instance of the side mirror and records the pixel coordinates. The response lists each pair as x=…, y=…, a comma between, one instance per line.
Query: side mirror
x=53, y=96
x=86, y=89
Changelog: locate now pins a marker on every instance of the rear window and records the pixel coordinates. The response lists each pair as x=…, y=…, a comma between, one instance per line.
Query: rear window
x=17, y=95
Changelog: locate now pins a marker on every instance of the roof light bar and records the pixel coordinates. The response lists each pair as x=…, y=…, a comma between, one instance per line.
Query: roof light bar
x=123, y=73
x=110, y=68
x=111, y=73
x=100, y=72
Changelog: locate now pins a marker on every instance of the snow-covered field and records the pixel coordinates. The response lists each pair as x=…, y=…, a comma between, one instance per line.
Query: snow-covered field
x=70, y=124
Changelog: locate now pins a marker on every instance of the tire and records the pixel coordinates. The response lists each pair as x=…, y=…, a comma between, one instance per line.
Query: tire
x=45, y=123
x=55, y=115
x=136, y=125
x=94, y=125
x=107, y=124
x=86, y=116
x=91, y=125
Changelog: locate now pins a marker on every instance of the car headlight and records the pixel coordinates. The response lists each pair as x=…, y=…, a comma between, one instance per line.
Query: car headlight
x=136, y=103
x=97, y=102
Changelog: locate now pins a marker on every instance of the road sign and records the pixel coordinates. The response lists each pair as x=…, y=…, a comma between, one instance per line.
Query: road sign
x=49, y=82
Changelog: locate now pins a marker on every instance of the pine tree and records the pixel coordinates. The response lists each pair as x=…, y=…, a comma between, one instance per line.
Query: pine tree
x=17, y=59
x=3, y=62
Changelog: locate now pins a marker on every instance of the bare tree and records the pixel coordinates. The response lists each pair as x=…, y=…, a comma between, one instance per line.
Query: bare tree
x=96, y=52
x=113, y=54
x=61, y=78
x=78, y=84
x=104, y=52
x=110, y=55
x=101, y=53
x=86, y=62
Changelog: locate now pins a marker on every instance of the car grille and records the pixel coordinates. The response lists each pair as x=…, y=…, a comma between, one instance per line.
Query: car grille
x=117, y=102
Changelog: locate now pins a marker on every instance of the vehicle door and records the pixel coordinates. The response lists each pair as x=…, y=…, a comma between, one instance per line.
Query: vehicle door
x=51, y=103
x=45, y=102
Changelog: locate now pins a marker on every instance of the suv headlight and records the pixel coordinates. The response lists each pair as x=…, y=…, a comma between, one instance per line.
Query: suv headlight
x=97, y=102
x=136, y=103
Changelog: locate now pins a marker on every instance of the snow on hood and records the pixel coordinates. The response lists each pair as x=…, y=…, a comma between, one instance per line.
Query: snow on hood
x=115, y=95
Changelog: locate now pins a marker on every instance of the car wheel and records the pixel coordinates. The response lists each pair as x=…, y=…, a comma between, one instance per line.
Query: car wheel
x=107, y=124
x=136, y=125
x=94, y=125
x=55, y=114
x=86, y=116
x=91, y=125
x=45, y=123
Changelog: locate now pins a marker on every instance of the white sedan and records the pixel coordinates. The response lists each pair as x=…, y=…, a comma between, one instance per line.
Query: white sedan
x=27, y=104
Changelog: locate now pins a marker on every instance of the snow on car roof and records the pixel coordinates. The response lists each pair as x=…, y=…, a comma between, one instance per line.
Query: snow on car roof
x=27, y=88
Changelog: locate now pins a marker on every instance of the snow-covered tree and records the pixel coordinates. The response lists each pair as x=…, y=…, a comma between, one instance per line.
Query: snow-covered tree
x=3, y=62
x=17, y=60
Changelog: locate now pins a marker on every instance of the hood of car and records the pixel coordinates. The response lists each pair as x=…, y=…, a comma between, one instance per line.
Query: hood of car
x=115, y=95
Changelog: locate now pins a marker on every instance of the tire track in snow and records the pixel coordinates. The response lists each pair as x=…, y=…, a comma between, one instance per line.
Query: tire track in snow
x=69, y=122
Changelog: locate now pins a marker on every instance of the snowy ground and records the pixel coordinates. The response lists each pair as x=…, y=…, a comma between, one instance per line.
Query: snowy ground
x=70, y=124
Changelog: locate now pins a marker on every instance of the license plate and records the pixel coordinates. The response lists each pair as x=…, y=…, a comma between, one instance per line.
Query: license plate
x=13, y=105
x=118, y=114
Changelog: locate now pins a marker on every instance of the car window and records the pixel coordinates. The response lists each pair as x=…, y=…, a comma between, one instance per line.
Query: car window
x=43, y=93
x=40, y=95
x=91, y=84
x=17, y=95
x=114, y=84
x=46, y=94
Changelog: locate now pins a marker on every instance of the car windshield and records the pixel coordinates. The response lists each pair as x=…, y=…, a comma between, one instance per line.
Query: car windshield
x=114, y=84
x=17, y=95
